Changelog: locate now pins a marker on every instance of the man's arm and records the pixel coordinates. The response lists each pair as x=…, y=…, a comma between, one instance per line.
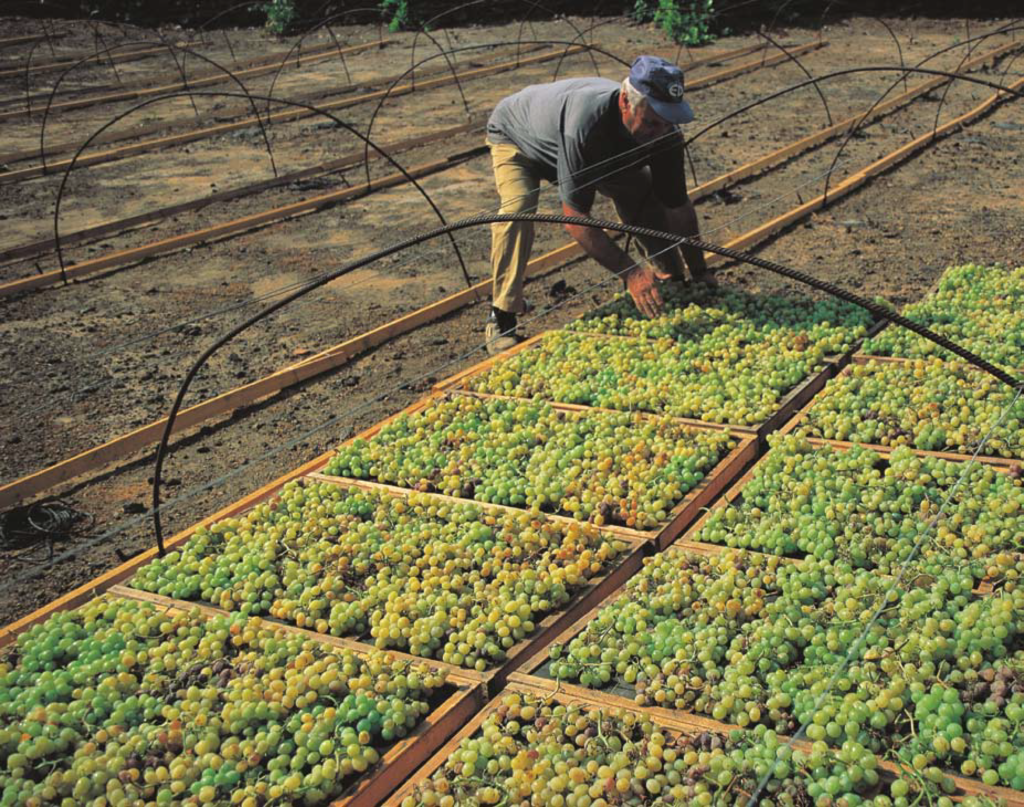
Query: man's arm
x=640, y=279
x=683, y=221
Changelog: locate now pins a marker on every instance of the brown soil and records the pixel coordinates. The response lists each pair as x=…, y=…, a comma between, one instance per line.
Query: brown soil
x=957, y=201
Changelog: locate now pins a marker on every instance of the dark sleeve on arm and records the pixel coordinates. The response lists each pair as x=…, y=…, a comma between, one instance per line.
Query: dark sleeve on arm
x=668, y=171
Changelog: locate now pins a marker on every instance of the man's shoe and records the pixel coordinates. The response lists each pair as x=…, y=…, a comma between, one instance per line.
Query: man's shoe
x=500, y=339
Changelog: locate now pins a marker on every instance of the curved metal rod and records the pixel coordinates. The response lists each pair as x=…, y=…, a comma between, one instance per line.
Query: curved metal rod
x=298, y=43
x=580, y=35
x=220, y=94
x=857, y=126
x=534, y=6
x=448, y=61
x=341, y=54
x=877, y=310
x=948, y=87
x=170, y=46
x=181, y=70
x=806, y=72
x=387, y=94
x=873, y=17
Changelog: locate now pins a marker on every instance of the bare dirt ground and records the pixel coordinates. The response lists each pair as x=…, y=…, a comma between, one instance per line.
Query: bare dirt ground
x=83, y=363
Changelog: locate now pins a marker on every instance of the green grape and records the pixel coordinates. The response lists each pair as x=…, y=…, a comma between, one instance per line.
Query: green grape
x=702, y=315
x=931, y=405
x=873, y=510
x=977, y=307
x=459, y=582
x=732, y=381
x=118, y=702
x=532, y=751
x=607, y=467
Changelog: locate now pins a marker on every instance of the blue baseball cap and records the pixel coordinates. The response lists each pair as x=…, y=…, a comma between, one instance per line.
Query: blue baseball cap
x=661, y=83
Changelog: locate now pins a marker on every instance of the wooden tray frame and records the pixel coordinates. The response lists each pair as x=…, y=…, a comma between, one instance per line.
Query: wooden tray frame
x=120, y=573
x=862, y=358
x=679, y=517
x=492, y=680
x=404, y=756
x=675, y=722
x=790, y=403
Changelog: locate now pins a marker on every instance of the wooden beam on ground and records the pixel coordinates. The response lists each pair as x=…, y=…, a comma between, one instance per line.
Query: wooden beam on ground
x=755, y=64
x=290, y=114
x=28, y=39
x=21, y=489
x=233, y=227
x=859, y=178
x=120, y=225
x=844, y=126
x=204, y=80
x=101, y=59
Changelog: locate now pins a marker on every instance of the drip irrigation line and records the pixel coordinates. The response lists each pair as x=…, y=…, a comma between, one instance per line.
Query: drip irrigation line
x=847, y=72
x=172, y=49
x=1010, y=27
x=877, y=310
x=220, y=94
x=298, y=44
x=884, y=603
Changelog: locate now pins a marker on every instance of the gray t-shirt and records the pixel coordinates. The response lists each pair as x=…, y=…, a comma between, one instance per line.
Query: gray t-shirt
x=572, y=129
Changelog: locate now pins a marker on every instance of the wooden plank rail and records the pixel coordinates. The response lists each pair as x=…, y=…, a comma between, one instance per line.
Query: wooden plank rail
x=101, y=60
x=292, y=114
x=235, y=226
x=28, y=39
x=205, y=79
x=349, y=160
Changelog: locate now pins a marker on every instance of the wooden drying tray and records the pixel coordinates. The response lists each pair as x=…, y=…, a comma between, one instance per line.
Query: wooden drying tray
x=801, y=417
x=791, y=402
x=491, y=681
x=684, y=512
x=675, y=722
x=118, y=574
x=460, y=704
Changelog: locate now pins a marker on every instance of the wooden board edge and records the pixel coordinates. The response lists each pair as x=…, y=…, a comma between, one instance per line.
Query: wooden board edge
x=102, y=582
x=722, y=476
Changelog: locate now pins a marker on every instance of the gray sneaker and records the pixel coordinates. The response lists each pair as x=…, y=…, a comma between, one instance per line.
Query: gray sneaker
x=496, y=341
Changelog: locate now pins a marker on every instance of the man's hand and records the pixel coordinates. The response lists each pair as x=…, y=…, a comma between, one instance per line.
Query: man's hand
x=643, y=288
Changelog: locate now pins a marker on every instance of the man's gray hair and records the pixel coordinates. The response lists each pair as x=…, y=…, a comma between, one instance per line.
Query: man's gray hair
x=633, y=95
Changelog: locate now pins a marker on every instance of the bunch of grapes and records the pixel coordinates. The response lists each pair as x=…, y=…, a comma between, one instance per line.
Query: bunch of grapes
x=748, y=639
x=874, y=510
x=931, y=405
x=719, y=380
x=120, y=703
x=705, y=317
x=459, y=582
x=606, y=467
x=534, y=751
x=975, y=306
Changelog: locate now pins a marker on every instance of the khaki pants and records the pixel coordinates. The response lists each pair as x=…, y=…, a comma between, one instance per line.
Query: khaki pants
x=518, y=182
